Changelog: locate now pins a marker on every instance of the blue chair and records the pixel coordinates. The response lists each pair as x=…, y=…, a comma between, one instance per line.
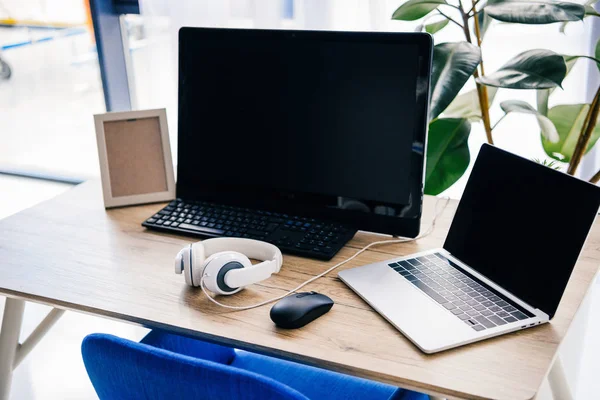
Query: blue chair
x=166, y=366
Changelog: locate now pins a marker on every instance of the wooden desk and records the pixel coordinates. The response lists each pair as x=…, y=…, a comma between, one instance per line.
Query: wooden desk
x=72, y=254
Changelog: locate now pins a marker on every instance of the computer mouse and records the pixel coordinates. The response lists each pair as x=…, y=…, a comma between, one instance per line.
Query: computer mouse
x=297, y=310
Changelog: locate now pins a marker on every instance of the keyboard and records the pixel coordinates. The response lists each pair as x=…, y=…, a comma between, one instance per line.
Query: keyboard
x=470, y=301
x=293, y=234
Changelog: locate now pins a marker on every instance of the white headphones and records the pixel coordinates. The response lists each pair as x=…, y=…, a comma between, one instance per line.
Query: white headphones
x=224, y=265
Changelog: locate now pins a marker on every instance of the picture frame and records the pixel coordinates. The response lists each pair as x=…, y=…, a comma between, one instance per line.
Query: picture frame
x=134, y=151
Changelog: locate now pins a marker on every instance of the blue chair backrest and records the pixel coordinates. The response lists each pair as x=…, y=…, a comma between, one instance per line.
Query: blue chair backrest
x=122, y=369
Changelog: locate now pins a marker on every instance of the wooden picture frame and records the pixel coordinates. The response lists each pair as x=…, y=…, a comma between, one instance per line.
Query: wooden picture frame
x=136, y=165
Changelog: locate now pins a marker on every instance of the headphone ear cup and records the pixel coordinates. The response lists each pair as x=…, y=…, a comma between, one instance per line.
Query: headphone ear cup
x=196, y=264
x=217, y=266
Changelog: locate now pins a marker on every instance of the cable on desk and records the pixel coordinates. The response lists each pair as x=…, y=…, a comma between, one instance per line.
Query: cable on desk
x=380, y=242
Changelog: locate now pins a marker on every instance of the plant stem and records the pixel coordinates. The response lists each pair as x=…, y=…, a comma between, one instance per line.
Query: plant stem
x=586, y=133
x=482, y=93
x=472, y=10
x=497, y=122
x=449, y=18
x=595, y=178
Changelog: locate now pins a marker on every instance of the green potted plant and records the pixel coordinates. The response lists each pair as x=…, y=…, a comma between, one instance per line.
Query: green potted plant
x=568, y=132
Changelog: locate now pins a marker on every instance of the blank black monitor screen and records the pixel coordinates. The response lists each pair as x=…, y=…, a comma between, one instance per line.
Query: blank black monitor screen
x=322, y=122
x=522, y=225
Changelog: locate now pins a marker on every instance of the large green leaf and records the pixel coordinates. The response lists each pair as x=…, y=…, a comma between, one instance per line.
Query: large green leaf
x=447, y=153
x=467, y=105
x=453, y=65
x=589, y=11
x=532, y=69
x=568, y=120
x=547, y=127
x=534, y=11
x=436, y=26
x=543, y=95
x=416, y=9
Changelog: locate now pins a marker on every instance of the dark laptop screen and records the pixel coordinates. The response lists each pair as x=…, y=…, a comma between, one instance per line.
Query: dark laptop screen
x=522, y=225
x=323, y=121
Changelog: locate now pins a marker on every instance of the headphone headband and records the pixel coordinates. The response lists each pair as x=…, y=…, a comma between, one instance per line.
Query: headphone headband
x=251, y=248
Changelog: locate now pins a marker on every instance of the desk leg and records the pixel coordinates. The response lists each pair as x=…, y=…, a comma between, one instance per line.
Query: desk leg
x=558, y=381
x=9, y=342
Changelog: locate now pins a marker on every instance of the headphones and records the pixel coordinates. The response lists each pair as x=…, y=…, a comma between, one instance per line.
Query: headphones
x=222, y=265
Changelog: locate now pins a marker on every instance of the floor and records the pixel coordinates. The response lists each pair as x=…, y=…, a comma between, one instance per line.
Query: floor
x=57, y=357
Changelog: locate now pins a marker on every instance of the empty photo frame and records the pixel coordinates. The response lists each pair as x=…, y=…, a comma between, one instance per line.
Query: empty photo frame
x=135, y=157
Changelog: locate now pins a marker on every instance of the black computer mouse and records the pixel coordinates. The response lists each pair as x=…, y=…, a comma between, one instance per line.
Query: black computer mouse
x=297, y=310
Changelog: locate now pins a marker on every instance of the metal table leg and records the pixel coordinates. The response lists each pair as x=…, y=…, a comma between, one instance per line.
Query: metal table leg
x=558, y=381
x=9, y=342
x=11, y=351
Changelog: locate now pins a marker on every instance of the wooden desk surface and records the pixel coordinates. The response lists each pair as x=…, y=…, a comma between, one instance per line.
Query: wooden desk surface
x=71, y=253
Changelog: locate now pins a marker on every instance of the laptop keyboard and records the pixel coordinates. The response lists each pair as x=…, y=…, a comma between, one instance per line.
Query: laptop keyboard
x=468, y=300
x=292, y=234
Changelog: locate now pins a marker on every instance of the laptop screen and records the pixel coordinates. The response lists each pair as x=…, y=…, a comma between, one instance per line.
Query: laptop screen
x=321, y=122
x=522, y=225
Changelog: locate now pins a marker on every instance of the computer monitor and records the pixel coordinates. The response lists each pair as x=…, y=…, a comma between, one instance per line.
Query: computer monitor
x=323, y=124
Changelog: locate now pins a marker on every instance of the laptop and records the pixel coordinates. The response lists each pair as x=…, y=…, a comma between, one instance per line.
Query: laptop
x=512, y=245
x=291, y=137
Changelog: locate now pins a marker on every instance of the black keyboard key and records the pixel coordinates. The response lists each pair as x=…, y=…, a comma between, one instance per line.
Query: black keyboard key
x=519, y=315
x=510, y=319
x=478, y=327
x=497, y=320
x=509, y=309
x=494, y=298
x=495, y=308
x=485, y=322
x=411, y=278
x=472, y=303
x=502, y=314
x=463, y=316
x=450, y=306
x=456, y=311
x=429, y=292
x=501, y=303
x=487, y=313
x=403, y=272
x=473, y=313
x=202, y=229
x=393, y=265
x=407, y=265
x=151, y=220
x=487, y=303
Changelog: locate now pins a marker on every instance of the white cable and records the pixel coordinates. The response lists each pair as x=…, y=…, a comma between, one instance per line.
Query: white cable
x=399, y=240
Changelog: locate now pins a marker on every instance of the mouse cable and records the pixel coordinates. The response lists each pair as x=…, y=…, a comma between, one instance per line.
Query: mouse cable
x=391, y=241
